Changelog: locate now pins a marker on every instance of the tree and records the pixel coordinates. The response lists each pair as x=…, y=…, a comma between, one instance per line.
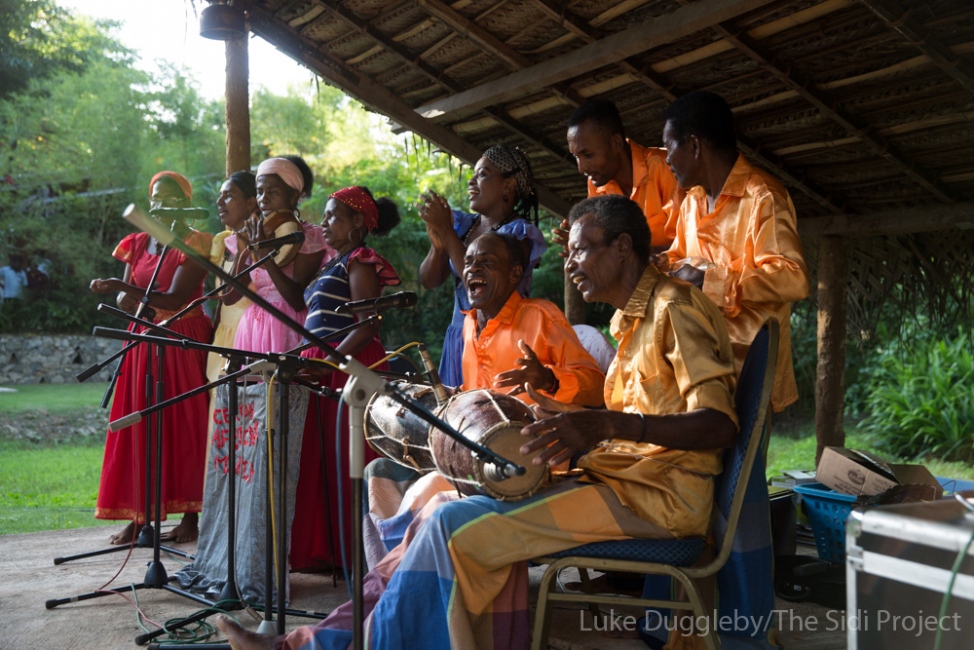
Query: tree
x=80, y=144
x=40, y=39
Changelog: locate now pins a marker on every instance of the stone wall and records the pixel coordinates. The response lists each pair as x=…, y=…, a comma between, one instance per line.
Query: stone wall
x=36, y=359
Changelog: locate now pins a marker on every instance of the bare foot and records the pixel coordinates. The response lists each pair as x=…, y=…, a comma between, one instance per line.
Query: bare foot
x=187, y=530
x=126, y=536
x=241, y=639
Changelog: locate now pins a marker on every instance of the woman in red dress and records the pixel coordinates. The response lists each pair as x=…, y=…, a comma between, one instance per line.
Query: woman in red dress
x=121, y=494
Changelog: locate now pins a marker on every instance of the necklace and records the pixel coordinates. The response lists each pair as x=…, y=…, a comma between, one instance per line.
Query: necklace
x=476, y=222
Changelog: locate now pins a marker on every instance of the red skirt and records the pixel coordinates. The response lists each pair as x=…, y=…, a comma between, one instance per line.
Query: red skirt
x=121, y=494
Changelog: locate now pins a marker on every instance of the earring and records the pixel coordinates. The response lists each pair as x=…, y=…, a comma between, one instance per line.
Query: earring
x=505, y=199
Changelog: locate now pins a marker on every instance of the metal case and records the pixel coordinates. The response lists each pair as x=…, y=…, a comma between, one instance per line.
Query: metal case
x=899, y=563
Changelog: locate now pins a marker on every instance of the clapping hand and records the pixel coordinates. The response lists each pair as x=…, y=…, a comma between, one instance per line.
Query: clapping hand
x=559, y=237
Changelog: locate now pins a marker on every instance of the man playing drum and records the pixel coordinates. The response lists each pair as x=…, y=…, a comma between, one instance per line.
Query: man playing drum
x=460, y=578
x=510, y=341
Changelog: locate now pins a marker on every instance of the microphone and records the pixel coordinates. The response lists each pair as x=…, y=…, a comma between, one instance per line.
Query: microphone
x=399, y=300
x=499, y=473
x=432, y=375
x=181, y=213
x=295, y=237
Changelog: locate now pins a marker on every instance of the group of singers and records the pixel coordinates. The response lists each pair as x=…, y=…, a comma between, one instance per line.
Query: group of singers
x=694, y=247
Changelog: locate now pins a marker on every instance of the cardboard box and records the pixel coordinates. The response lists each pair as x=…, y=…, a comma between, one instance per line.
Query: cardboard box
x=860, y=473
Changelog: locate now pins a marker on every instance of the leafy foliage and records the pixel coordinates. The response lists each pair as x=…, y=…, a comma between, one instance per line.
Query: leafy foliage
x=921, y=399
x=78, y=146
x=38, y=39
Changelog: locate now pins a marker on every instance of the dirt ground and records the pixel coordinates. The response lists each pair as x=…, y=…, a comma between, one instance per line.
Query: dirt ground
x=29, y=579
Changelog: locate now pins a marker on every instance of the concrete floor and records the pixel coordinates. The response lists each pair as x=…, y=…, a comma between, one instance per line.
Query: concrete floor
x=29, y=578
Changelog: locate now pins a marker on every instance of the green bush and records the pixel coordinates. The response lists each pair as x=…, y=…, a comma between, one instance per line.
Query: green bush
x=921, y=400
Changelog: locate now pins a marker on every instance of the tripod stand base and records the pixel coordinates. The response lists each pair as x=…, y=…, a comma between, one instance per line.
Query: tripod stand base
x=144, y=540
x=267, y=628
x=189, y=646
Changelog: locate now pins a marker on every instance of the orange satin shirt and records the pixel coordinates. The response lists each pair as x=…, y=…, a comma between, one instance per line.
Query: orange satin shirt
x=751, y=237
x=654, y=188
x=543, y=326
x=674, y=357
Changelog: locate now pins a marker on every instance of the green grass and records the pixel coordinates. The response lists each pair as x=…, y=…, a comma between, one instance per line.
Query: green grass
x=49, y=477
x=794, y=448
x=49, y=487
x=55, y=398
x=51, y=484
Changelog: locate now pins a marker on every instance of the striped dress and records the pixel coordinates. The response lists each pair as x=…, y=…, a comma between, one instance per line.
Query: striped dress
x=315, y=539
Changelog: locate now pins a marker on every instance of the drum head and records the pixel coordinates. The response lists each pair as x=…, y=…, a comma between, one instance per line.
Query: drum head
x=493, y=420
x=506, y=441
x=398, y=434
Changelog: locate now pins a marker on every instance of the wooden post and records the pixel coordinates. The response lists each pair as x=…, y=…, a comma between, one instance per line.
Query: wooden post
x=238, y=105
x=830, y=370
x=574, y=303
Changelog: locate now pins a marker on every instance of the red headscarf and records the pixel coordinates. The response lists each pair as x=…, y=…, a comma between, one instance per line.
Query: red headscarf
x=180, y=180
x=359, y=200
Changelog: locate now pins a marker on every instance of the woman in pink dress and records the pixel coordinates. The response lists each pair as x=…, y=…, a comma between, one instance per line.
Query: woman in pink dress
x=281, y=280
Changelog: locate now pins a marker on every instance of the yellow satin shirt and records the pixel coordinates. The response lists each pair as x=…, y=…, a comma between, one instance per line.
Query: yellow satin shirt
x=751, y=238
x=674, y=357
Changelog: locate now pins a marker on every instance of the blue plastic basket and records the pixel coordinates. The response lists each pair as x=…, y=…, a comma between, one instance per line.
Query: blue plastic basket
x=827, y=511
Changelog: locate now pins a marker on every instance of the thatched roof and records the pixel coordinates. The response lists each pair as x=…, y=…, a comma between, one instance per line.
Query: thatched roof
x=864, y=109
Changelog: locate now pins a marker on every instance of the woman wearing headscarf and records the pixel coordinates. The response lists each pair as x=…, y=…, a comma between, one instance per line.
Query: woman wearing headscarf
x=179, y=280
x=502, y=196
x=282, y=279
x=356, y=272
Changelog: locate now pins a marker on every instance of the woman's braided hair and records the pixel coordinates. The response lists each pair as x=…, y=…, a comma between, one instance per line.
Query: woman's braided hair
x=514, y=163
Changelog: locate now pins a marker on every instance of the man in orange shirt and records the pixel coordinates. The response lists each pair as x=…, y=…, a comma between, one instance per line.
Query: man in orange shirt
x=737, y=233
x=510, y=341
x=614, y=164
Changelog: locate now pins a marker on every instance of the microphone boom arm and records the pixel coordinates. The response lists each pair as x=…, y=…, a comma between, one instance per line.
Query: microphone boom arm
x=347, y=364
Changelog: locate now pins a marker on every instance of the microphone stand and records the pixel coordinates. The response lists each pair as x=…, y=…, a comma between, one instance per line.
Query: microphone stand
x=287, y=361
x=143, y=304
x=84, y=375
x=146, y=535
x=363, y=383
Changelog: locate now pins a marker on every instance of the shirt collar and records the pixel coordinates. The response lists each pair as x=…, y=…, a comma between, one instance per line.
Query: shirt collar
x=735, y=184
x=736, y=181
x=505, y=315
x=638, y=303
x=640, y=173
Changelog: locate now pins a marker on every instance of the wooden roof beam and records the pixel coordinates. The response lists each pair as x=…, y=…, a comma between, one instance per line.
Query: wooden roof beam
x=959, y=216
x=487, y=41
x=607, y=51
x=435, y=75
x=659, y=84
x=365, y=90
x=898, y=19
x=883, y=147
